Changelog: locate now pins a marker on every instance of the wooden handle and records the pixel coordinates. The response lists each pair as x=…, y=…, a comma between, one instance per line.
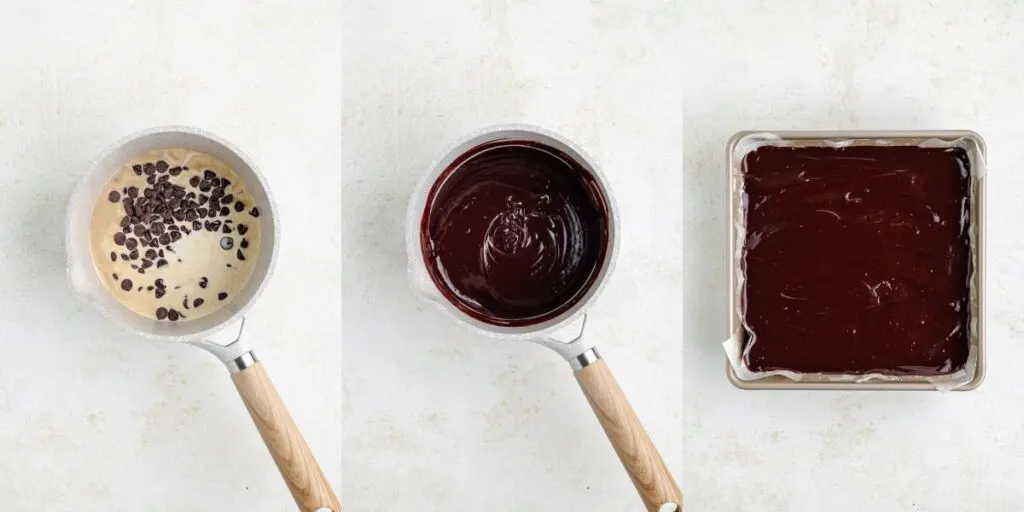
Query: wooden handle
x=288, y=448
x=648, y=472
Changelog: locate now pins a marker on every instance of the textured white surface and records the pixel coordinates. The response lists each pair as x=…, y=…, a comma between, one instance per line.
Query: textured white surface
x=851, y=65
x=436, y=417
x=90, y=417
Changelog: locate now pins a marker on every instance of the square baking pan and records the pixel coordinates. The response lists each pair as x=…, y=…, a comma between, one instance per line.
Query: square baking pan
x=875, y=138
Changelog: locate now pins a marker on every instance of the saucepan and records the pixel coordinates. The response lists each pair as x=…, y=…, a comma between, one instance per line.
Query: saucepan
x=219, y=333
x=564, y=332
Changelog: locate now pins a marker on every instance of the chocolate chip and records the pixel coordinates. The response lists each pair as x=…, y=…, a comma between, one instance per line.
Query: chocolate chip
x=172, y=315
x=202, y=212
x=151, y=254
x=162, y=252
x=159, y=283
x=239, y=206
x=216, y=184
x=175, y=171
x=227, y=199
x=224, y=211
x=204, y=186
x=191, y=215
x=175, y=236
x=151, y=180
x=226, y=229
x=186, y=231
x=227, y=243
x=203, y=198
x=131, y=243
x=244, y=244
x=142, y=271
x=209, y=175
x=119, y=238
x=146, y=263
x=224, y=182
x=129, y=210
x=194, y=181
x=184, y=302
x=149, y=169
x=138, y=169
x=124, y=256
x=126, y=230
x=161, y=263
x=148, y=193
x=172, y=227
x=240, y=255
x=159, y=293
x=161, y=166
x=202, y=282
x=196, y=225
x=149, y=288
x=126, y=285
x=198, y=302
x=133, y=192
x=161, y=313
x=139, y=230
x=115, y=276
x=164, y=179
x=134, y=255
x=164, y=239
x=157, y=228
x=242, y=229
x=114, y=196
x=254, y=212
x=140, y=288
x=126, y=221
x=179, y=215
x=222, y=295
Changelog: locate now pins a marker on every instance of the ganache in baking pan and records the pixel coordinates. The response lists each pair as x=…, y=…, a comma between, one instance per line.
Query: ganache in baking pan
x=857, y=259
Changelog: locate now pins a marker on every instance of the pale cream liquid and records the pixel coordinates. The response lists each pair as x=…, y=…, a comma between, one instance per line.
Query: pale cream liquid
x=196, y=255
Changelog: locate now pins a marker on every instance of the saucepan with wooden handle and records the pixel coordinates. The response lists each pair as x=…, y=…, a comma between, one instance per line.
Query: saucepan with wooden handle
x=219, y=332
x=524, y=197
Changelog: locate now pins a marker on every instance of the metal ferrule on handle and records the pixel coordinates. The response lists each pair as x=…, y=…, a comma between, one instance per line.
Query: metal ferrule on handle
x=242, y=362
x=587, y=358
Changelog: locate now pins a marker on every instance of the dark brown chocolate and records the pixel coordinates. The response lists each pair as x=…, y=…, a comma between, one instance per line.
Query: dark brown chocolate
x=857, y=259
x=514, y=232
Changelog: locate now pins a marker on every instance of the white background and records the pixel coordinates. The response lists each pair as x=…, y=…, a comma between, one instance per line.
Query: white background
x=91, y=418
x=852, y=65
x=437, y=417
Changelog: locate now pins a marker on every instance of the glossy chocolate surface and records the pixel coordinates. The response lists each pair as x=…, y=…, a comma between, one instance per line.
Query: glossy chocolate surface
x=857, y=260
x=514, y=232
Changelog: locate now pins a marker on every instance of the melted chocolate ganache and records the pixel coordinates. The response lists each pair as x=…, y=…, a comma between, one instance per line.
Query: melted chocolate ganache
x=514, y=232
x=857, y=259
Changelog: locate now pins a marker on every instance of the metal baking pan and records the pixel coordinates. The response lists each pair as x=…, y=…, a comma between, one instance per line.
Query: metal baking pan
x=977, y=338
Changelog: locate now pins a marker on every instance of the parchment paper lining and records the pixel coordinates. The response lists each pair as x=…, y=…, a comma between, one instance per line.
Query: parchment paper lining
x=734, y=346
